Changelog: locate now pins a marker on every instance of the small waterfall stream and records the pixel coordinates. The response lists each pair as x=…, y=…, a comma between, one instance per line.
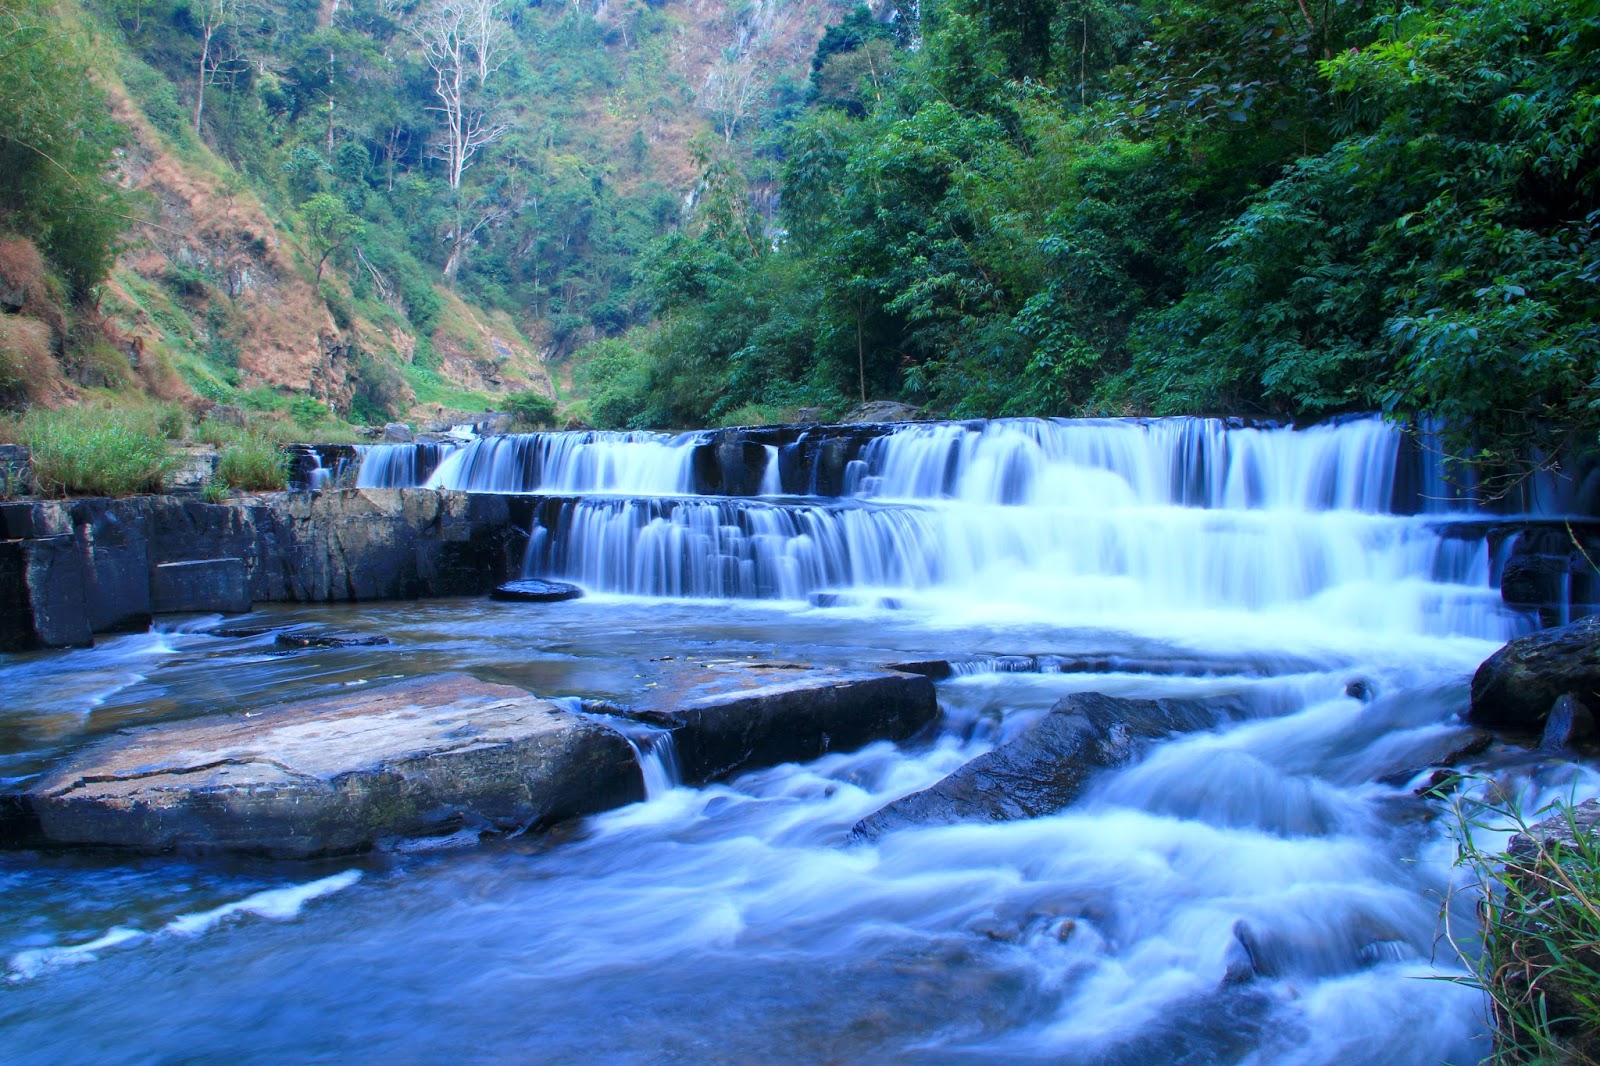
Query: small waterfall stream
x=1265, y=892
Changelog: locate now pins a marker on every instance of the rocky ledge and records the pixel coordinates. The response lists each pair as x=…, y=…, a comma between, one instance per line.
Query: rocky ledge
x=729, y=716
x=333, y=775
x=1546, y=682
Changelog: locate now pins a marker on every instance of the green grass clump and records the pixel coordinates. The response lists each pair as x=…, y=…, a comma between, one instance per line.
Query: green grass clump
x=91, y=451
x=1539, y=907
x=254, y=463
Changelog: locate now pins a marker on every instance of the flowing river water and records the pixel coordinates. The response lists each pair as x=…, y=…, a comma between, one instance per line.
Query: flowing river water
x=736, y=922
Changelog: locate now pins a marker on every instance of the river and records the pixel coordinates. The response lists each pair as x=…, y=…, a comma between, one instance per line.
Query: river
x=736, y=923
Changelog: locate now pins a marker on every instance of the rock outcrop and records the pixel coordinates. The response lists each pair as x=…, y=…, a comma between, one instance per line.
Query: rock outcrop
x=71, y=569
x=729, y=717
x=1046, y=768
x=1516, y=687
x=334, y=775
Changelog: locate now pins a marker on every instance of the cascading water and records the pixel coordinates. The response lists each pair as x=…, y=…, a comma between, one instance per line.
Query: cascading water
x=1266, y=891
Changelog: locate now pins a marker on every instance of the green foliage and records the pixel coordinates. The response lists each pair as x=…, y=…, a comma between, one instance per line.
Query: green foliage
x=56, y=144
x=530, y=411
x=254, y=463
x=90, y=451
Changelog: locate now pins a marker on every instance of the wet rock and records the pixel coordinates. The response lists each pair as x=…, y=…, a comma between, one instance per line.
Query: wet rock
x=335, y=775
x=1570, y=722
x=200, y=586
x=1046, y=768
x=1358, y=689
x=1517, y=685
x=294, y=640
x=397, y=433
x=729, y=717
x=530, y=590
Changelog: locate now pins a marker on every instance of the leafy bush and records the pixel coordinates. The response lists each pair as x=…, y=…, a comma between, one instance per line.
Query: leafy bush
x=89, y=451
x=530, y=411
x=253, y=462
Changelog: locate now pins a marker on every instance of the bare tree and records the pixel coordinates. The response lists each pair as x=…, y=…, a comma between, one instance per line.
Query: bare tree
x=213, y=15
x=463, y=42
x=733, y=87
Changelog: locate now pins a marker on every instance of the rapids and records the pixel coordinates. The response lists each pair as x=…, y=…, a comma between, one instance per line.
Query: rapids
x=735, y=923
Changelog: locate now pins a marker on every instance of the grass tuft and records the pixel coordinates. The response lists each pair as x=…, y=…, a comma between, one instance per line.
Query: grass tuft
x=254, y=463
x=1539, y=910
x=90, y=451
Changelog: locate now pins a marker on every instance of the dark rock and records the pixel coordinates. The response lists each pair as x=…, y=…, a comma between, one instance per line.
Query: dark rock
x=200, y=586
x=1358, y=689
x=937, y=669
x=296, y=639
x=729, y=717
x=116, y=539
x=397, y=433
x=336, y=775
x=1570, y=722
x=530, y=590
x=1046, y=768
x=1517, y=685
x=42, y=594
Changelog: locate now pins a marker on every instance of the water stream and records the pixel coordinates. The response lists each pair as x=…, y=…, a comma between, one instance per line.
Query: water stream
x=1265, y=568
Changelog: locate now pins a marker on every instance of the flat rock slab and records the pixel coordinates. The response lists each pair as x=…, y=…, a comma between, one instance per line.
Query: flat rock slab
x=333, y=775
x=1042, y=771
x=294, y=640
x=200, y=586
x=532, y=590
x=729, y=716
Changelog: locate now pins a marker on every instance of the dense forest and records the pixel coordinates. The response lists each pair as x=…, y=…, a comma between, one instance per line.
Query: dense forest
x=987, y=207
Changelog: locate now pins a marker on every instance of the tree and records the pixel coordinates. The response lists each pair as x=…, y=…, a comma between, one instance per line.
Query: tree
x=463, y=42
x=330, y=226
x=213, y=17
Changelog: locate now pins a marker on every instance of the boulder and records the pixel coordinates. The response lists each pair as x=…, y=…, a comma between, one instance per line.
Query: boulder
x=397, y=433
x=883, y=411
x=729, y=717
x=1517, y=685
x=1046, y=768
x=1569, y=723
x=532, y=590
x=334, y=775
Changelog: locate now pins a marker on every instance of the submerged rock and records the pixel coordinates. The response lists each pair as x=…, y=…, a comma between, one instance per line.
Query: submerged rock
x=1517, y=685
x=316, y=638
x=335, y=775
x=535, y=591
x=728, y=717
x=1045, y=769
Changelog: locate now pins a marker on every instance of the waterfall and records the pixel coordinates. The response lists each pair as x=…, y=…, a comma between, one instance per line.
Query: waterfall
x=1055, y=519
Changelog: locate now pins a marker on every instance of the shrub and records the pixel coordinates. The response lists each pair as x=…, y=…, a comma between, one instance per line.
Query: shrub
x=87, y=451
x=531, y=410
x=253, y=462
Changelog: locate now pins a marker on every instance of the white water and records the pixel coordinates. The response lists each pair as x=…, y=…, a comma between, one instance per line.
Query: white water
x=736, y=923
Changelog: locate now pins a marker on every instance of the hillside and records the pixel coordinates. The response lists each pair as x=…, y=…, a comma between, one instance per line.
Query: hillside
x=295, y=222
